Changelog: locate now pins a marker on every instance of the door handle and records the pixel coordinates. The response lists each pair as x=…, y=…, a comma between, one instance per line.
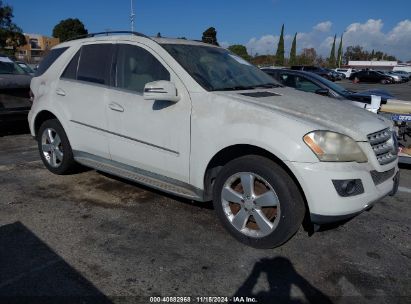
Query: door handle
x=60, y=92
x=116, y=107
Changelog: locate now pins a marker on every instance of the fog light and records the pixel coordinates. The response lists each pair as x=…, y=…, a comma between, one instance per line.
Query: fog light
x=348, y=187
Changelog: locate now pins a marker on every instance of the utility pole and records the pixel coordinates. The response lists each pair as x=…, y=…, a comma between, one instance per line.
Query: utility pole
x=132, y=15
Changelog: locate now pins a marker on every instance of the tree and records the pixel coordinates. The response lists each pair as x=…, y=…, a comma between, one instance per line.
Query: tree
x=68, y=29
x=11, y=35
x=240, y=50
x=263, y=60
x=210, y=36
x=331, y=59
x=293, y=52
x=308, y=56
x=358, y=53
x=339, y=55
x=280, y=49
x=372, y=55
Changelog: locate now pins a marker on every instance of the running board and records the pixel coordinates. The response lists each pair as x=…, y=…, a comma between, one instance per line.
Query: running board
x=140, y=176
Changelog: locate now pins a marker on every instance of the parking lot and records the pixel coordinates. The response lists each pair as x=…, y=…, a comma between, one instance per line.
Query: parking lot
x=98, y=236
x=401, y=91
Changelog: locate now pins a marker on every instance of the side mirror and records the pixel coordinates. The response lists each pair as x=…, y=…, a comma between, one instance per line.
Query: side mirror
x=323, y=92
x=161, y=90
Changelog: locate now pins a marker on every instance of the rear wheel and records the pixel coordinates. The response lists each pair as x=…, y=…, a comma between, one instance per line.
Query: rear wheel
x=258, y=202
x=384, y=81
x=54, y=147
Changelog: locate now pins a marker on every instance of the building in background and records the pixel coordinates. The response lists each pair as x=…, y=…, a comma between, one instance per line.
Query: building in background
x=37, y=46
x=372, y=65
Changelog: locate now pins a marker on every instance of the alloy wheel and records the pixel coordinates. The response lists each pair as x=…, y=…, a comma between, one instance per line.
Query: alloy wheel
x=250, y=204
x=51, y=147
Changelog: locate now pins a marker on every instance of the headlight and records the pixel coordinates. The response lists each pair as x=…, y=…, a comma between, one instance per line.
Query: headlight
x=334, y=147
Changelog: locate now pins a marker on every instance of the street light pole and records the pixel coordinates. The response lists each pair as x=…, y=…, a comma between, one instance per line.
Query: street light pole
x=132, y=15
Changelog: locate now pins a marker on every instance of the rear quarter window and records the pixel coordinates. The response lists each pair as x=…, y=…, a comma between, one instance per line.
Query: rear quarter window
x=48, y=60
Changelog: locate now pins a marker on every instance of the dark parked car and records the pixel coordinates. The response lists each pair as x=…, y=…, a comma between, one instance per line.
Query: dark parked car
x=371, y=76
x=325, y=73
x=14, y=91
x=310, y=82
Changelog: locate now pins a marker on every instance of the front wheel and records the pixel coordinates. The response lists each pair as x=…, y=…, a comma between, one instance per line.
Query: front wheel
x=258, y=202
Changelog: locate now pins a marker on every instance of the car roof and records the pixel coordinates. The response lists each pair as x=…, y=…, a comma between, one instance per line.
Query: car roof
x=130, y=37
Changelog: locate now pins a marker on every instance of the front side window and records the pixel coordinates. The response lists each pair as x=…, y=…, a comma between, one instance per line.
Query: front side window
x=95, y=63
x=216, y=69
x=135, y=67
x=305, y=85
x=288, y=80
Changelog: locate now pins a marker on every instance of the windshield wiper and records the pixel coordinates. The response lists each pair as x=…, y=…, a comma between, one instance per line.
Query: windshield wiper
x=235, y=88
x=268, y=85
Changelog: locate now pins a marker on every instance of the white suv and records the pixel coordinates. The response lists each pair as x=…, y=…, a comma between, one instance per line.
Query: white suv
x=197, y=121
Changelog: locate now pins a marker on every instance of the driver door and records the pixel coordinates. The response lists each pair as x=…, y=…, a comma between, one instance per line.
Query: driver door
x=150, y=135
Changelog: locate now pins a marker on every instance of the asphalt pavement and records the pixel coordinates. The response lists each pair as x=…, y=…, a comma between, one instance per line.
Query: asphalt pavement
x=401, y=91
x=91, y=237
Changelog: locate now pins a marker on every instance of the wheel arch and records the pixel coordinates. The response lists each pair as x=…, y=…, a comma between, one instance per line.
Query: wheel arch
x=40, y=118
x=235, y=151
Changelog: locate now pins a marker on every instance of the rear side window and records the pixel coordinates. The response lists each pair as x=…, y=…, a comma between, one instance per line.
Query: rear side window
x=95, y=63
x=49, y=60
x=71, y=70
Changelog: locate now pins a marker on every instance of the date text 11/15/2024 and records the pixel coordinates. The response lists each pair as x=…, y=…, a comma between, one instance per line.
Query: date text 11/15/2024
x=203, y=300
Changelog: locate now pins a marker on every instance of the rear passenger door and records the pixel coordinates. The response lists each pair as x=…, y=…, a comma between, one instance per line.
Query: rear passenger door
x=151, y=135
x=83, y=93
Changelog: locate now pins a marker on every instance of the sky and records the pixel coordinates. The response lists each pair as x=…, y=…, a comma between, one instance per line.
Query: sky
x=373, y=24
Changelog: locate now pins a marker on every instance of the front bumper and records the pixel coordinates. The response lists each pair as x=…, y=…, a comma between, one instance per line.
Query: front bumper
x=324, y=202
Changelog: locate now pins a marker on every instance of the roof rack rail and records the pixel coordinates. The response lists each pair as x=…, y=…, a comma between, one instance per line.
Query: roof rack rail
x=108, y=33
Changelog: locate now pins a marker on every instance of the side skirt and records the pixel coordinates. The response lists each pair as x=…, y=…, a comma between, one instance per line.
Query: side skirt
x=140, y=176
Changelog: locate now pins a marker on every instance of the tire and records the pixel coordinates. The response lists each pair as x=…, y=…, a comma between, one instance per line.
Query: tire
x=54, y=147
x=383, y=81
x=265, y=217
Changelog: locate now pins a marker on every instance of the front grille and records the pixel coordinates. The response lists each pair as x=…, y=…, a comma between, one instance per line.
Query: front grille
x=380, y=177
x=383, y=146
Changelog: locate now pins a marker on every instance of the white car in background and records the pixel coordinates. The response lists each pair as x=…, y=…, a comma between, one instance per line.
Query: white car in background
x=197, y=121
x=346, y=72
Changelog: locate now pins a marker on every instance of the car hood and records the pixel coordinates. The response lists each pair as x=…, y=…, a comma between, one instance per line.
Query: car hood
x=318, y=111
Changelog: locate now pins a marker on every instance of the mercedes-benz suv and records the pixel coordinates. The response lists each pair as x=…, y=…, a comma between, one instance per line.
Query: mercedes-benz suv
x=197, y=121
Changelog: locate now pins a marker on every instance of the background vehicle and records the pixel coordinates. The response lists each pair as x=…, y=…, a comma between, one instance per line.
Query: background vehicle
x=316, y=70
x=14, y=91
x=26, y=67
x=197, y=121
x=371, y=76
x=403, y=78
x=403, y=73
x=396, y=78
x=346, y=72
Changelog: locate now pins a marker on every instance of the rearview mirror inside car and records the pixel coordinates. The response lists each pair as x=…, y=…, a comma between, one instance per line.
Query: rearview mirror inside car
x=161, y=90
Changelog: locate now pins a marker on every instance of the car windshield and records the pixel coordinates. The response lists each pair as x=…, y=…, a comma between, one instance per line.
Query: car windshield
x=217, y=69
x=9, y=67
